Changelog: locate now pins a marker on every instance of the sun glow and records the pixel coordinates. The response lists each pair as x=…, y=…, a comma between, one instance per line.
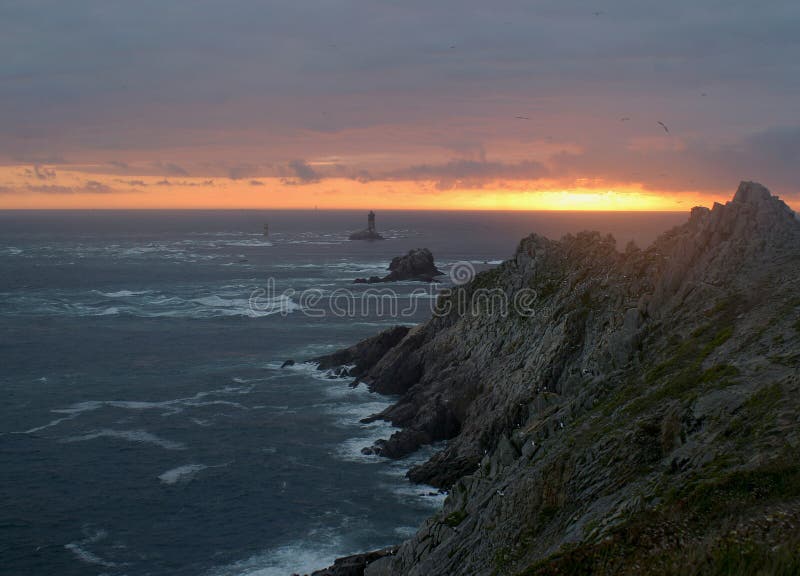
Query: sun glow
x=57, y=187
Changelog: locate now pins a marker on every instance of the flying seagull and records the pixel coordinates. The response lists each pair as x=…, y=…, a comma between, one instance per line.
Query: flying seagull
x=522, y=117
x=664, y=126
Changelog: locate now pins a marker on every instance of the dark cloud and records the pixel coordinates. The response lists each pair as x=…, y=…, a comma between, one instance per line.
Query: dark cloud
x=301, y=173
x=97, y=187
x=43, y=173
x=134, y=183
x=90, y=187
x=242, y=171
x=771, y=156
x=171, y=169
x=51, y=189
x=167, y=182
x=472, y=173
x=341, y=79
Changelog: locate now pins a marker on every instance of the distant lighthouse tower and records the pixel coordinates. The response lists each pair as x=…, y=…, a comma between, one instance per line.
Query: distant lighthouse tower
x=370, y=233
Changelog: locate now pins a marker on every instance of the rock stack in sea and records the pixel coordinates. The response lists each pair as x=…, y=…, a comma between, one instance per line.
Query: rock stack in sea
x=417, y=265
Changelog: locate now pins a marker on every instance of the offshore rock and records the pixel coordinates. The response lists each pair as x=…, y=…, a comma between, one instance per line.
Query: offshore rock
x=417, y=265
x=365, y=235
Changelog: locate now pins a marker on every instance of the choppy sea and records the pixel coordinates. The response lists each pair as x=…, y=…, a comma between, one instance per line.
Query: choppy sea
x=147, y=426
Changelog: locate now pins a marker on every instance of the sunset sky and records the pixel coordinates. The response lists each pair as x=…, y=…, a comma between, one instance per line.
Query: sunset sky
x=375, y=104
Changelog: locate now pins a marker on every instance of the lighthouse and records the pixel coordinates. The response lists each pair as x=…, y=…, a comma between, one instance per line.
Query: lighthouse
x=370, y=233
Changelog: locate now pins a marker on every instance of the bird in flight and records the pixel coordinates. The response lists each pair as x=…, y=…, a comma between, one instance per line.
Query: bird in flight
x=522, y=117
x=625, y=119
x=664, y=126
x=598, y=13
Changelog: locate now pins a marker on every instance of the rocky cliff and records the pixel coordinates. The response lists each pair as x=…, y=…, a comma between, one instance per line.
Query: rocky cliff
x=640, y=416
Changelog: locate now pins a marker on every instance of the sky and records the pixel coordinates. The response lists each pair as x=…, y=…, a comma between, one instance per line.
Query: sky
x=435, y=104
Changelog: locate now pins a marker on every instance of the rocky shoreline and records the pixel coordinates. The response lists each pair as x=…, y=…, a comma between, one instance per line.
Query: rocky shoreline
x=592, y=435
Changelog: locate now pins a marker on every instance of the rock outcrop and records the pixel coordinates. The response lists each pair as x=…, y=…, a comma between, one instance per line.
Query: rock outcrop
x=356, y=564
x=640, y=417
x=417, y=265
x=365, y=235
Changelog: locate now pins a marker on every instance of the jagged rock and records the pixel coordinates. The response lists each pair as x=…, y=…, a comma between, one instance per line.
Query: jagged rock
x=417, y=265
x=643, y=383
x=288, y=363
x=356, y=564
x=364, y=355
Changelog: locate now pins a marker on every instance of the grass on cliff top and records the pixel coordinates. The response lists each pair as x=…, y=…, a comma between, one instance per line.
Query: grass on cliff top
x=680, y=374
x=715, y=526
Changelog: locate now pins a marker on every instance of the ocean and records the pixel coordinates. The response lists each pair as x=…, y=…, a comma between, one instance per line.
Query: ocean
x=147, y=426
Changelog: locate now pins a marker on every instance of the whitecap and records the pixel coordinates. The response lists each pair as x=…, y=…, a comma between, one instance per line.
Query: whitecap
x=319, y=548
x=136, y=436
x=170, y=407
x=255, y=243
x=307, y=369
x=84, y=555
x=181, y=474
x=121, y=293
x=112, y=311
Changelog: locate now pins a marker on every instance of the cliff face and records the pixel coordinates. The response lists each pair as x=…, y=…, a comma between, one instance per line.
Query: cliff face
x=645, y=414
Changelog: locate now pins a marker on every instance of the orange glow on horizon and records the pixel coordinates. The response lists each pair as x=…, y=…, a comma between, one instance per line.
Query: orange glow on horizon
x=79, y=190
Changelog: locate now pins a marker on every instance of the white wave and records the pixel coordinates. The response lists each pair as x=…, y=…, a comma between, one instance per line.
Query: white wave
x=181, y=473
x=198, y=403
x=136, y=436
x=12, y=251
x=305, y=368
x=254, y=242
x=169, y=407
x=317, y=550
x=112, y=311
x=351, y=450
x=84, y=555
x=210, y=306
x=351, y=414
x=71, y=412
x=50, y=424
x=121, y=293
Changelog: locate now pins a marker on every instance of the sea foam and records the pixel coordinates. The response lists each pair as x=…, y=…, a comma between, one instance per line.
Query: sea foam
x=181, y=474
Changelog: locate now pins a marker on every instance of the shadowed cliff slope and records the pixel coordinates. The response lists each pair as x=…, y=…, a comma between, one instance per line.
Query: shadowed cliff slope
x=643, y=418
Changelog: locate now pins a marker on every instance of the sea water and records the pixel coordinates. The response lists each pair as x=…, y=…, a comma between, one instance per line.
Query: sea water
x=147, y=426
